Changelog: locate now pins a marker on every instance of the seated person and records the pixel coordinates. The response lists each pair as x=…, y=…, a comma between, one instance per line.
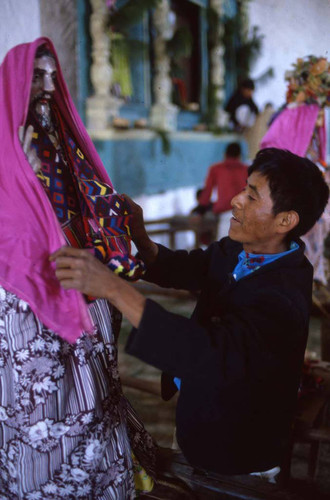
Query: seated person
x=241, y=107
x=201, y=213
x=240, y=355
x=227, y=178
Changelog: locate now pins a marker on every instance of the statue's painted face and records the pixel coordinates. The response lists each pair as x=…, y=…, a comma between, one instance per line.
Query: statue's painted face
x=42, y=88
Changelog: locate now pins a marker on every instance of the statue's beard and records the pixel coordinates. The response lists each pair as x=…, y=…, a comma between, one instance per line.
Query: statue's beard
x=42, y=109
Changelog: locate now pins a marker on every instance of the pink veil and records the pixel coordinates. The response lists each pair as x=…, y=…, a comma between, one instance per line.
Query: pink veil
x=293, y=130
x=30, y=231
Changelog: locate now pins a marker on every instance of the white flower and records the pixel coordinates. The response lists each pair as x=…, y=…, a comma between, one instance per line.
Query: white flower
x=83, y=490
x=75, y=460
x=45, y=384
x=54, y=346
x=66, y=490
x=35, y=495
x=3, y=414
x=50, y=488
x=99, y=347
x=78, y=474
x=38, y=345
x=58, y=372
x=4, y=476
x=22, y=305
x=13, y=488
x=93, y=451
x=12, y=469
x=39, y=400
x=4, y=344
x=22, y=355
x=38, y=432
x=57, y=430
x=87, y=418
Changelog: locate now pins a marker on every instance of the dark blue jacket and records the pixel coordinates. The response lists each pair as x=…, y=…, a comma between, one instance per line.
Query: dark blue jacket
x=239, y=356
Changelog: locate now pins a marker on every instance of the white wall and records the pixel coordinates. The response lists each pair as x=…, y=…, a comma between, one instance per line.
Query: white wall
x=292, y=29
x=19, y=23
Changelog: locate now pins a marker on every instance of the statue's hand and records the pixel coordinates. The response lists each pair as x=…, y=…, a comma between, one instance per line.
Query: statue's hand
x=25, y=138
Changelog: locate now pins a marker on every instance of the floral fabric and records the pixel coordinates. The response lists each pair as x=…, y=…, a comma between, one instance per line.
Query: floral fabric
x=66, y=430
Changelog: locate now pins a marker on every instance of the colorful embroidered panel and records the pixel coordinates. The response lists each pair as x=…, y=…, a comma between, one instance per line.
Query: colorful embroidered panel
x=92, y=215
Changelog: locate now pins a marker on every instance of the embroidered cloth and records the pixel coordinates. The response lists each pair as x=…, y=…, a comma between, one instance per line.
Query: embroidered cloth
x=67, y=431
x=30, y=230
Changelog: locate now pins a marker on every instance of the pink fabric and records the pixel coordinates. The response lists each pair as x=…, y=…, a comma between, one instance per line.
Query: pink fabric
x=293, y=130
x=29, y=229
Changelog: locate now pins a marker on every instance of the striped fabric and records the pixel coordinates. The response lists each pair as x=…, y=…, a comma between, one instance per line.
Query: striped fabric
x=66, y=429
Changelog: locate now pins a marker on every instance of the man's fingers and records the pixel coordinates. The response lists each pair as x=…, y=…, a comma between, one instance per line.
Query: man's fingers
x=69, y=262
x=68, y=284
x=69, y=252
x=68, y=272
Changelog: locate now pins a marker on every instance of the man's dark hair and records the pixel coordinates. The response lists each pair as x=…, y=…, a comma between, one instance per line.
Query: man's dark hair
x=247, y=84
x=43, y=50
x=295, y=184
x=233, y=150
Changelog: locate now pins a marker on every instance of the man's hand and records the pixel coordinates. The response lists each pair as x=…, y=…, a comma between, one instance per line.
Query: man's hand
x=78, y=269
x=147, y=248
x=137, y=227
x=25, y=138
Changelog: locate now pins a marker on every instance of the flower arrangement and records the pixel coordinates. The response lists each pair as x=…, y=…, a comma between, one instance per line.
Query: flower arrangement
x=309, y=81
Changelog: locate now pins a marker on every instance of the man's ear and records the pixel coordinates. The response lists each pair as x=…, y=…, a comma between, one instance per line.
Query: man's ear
x=287, y=221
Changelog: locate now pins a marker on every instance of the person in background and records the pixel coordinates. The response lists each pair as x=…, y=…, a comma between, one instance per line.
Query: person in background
x=239, y=357
x=241, y=107
x=227, y=178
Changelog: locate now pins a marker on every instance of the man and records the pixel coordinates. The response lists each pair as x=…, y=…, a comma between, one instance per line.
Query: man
x=66, y=429
x=227, y=178
x=239, y=356
x=241, y=107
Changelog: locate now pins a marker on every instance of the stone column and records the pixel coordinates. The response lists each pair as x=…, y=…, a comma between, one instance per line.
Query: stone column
x=217, y=66
x=101, y=107
x=163, y=113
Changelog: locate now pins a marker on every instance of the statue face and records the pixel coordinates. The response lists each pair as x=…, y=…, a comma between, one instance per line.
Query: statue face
x=42, y=88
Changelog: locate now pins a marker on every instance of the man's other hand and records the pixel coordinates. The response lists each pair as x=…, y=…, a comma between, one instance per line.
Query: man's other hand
x=80, y=270
x=25, y=137
x=146, y=247
x=137, y=227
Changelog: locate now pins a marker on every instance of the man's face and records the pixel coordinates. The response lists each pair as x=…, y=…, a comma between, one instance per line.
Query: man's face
x=253, y=223
x=43, y=84
x=247, y=93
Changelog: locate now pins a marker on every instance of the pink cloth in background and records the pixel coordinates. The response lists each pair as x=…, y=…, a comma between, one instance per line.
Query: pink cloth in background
x=293, y=130
x=29, y=229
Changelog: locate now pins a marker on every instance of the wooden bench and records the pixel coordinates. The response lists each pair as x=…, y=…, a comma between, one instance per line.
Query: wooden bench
x=171, y=226
x=210, y=486
x=309, y=424
x=308, y=427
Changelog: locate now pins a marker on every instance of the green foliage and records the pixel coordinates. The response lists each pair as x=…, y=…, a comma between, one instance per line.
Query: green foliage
x=265, y=76
x=212, y=105
x=245, y=52
x=240, y=53
x=179, y=47
x=129, y=14
x=165, y=140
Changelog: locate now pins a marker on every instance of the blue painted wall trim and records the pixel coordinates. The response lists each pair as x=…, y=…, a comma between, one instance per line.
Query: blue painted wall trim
x=137, y=165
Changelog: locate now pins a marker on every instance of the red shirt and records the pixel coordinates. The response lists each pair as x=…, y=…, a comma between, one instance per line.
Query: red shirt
x=229, y=178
